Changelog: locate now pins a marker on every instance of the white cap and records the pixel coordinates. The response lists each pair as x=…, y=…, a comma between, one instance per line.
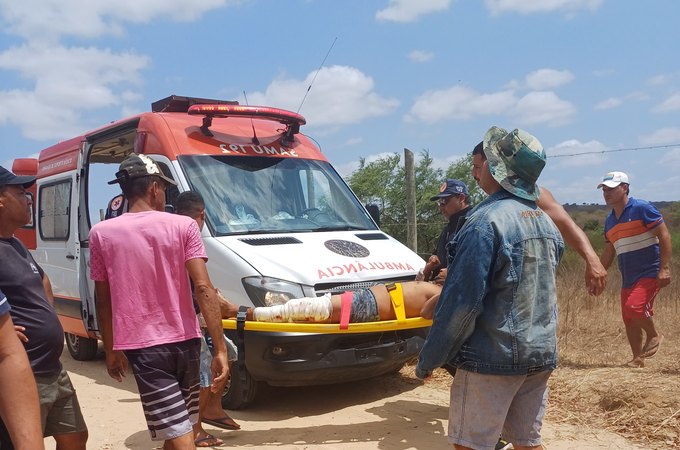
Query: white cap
x=613, y=179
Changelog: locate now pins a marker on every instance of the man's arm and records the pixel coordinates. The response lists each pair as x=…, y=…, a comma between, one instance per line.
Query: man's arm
x=596, y=274
x=664, y=276
x=206, y=296
x=48, y=289
x=19, y=407
x=116, y=362
x=460, y=301
x=608, y=253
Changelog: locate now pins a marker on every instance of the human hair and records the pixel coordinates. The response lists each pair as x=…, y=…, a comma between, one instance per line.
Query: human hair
x=479, y=150
x=190, y=203
x=134, y=188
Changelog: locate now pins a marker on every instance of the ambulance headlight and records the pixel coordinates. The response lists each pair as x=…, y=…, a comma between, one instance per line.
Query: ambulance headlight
x=266, y=291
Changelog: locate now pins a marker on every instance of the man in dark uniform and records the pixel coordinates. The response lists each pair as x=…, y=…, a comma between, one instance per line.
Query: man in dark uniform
x=454, y=203
x=29, y=293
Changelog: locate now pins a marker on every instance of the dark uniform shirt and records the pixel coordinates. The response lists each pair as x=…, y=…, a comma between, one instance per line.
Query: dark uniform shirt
x=21, y=281
x=456, y=221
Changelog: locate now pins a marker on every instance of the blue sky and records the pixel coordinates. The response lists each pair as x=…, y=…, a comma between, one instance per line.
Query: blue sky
x=592, y=76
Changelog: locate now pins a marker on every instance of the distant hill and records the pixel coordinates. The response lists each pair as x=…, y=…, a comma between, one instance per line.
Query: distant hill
x=591, y=215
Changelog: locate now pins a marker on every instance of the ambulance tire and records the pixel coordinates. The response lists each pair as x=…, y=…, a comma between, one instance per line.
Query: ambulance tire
x=235, y=395
x=81, y=348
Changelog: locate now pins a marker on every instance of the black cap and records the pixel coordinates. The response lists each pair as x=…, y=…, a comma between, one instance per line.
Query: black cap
x=137, y=166
x=8, y=178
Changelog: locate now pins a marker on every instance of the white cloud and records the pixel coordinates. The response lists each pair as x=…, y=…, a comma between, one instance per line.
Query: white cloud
x=543, y=79
x=660, y=79
x=64, y=77
x=420, y=56
x=340, y=95
x=458, y=103
x=540, y=6
x=463, y=103
x=662, y=136
x=410, y=10
x=353, y=141
x=574, y=153
x=670, y=158
x=347, y=169
x=672, y=103
x=47, y=20
x=543, y=107
x=603, y=72
x=612, y=102
x=615, y=102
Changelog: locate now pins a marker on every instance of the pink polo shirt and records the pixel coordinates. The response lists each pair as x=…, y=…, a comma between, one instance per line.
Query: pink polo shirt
x=143, y=257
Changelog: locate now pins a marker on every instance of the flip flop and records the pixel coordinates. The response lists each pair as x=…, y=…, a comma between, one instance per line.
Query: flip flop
x=208, y=441
x=225, y=422
x=651, y=351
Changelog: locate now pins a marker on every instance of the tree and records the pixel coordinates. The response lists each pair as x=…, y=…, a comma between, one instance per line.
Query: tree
x=382, y=182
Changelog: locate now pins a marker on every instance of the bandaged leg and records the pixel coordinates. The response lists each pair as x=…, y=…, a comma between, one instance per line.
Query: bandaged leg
x=306, y=309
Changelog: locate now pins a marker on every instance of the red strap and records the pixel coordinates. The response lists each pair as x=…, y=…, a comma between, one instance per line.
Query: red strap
x=345, y=309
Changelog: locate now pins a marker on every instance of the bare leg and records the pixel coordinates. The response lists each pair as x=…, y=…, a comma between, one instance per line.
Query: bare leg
x=653, y=337
x=183, y=442
x=634, y=334
x=71, y=441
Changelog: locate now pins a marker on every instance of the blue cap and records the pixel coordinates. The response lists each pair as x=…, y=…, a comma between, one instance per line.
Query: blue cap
x=451, y=187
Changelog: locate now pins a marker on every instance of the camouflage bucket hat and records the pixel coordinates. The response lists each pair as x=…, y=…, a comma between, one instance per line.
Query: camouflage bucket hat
x=516, y=159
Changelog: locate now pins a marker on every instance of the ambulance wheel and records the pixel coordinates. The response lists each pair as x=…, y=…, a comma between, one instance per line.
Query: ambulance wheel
x=237, y=396
x=81, y=348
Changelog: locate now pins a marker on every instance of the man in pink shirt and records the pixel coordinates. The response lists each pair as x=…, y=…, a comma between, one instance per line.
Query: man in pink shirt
x=139, y=262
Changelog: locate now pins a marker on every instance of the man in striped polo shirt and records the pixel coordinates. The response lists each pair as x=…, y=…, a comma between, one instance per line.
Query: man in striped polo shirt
x=635, y=231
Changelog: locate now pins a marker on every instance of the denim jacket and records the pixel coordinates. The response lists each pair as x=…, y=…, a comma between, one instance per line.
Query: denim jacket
x=497, y=312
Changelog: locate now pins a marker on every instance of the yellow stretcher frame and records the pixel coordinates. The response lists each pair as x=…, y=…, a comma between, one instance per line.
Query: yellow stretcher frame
x=330, y=328
x=401, y=323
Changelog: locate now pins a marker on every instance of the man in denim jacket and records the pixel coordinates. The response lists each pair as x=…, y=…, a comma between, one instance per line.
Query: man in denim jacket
x=496, y=318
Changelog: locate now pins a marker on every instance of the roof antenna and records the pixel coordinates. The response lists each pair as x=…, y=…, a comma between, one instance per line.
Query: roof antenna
x=256, y=141
x=317, y=72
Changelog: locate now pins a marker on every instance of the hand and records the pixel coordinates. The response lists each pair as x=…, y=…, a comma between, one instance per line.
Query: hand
x=20, y=333
x=596, y=277
x=431, y=265
x=663, y=279
x=116, y=365
x=441, y=277
x=427, y=311
x=220, y=370
x=423, y=375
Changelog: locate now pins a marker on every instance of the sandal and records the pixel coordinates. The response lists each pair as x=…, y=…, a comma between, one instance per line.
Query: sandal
x=208, y=440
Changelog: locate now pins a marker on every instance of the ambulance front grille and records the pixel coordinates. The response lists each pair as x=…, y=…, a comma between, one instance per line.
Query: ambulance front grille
x=279, y=240
x=338, y=288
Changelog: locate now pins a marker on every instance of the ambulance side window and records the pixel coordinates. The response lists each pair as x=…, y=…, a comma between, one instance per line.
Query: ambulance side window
x=55, y=211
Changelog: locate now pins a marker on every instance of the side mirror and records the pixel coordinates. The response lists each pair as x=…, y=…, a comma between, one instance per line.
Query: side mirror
x=374, y=212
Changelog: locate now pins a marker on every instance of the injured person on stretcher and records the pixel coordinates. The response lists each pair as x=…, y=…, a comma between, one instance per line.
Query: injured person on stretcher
x=419, y=299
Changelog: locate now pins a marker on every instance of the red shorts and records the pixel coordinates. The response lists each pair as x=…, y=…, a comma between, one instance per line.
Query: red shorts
x=637, y=302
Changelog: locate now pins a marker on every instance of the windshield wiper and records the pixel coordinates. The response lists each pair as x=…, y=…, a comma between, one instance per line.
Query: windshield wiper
x=341, y=228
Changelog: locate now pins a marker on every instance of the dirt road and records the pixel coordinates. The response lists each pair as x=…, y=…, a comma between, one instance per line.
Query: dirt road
x=391, y=412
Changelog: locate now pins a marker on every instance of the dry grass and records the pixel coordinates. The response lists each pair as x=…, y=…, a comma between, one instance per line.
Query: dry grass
x=591, y=388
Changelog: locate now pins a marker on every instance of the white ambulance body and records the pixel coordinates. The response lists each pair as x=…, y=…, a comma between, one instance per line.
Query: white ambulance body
x=280, y=223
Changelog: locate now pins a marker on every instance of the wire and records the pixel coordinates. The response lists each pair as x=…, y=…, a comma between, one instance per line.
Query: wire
x=317, y=72
x=631, y=149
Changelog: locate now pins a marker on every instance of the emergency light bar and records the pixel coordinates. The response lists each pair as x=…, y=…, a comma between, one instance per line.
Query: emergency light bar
x=290, y=119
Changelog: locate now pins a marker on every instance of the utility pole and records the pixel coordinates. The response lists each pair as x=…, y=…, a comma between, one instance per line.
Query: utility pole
x=411, y=230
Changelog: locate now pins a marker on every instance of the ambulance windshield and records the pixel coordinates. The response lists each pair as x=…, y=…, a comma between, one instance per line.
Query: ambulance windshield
x=253, y=194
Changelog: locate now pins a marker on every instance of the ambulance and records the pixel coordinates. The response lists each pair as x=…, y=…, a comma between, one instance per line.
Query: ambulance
x=280, y=224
